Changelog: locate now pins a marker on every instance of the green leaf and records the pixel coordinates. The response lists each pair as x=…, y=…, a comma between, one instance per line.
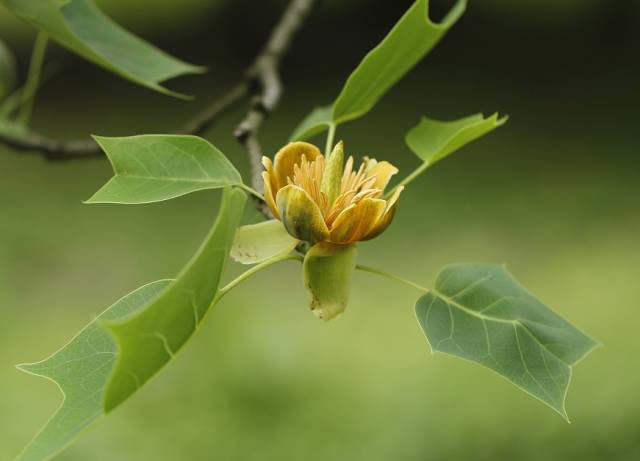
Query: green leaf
x=432, y=140
x=316, y=122
x=81, y=370
x=82, y=28
x=149, y=339
x=480, y=313
x=152, y=168
x=255, y=243
x=93, y=370
x=413, y=36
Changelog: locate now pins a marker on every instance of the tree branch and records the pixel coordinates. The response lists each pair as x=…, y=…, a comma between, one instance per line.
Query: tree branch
x=52, y=149
x=264, y=74
x=262, y=79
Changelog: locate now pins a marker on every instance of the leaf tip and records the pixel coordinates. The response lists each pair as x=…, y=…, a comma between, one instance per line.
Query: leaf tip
x=92, y=200
x=27, y=368
x=499, y=121
x=175, y=94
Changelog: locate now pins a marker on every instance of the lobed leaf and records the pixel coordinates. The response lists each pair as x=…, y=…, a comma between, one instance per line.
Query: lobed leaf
x=480, y=313
x=432, y=140
x=255, y=243
x=132, y=340
x=413, y=36
x=152, y=168
x=315, y=123
x=81, y=370
x=81, y=27
x=149, y=339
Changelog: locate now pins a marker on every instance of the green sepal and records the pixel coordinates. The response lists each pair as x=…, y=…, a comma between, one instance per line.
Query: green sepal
x=255, y=243
x=328, y=270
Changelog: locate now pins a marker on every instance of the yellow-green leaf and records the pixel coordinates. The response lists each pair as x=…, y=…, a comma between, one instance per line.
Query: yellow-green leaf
x=80, y=26
x=480, y=313
x=318, y=120
x=151, y=337
x=413, y=36
x=410, y=40
x=151, y=168
x=432, y=140
x=97, y=371
x=81, y=370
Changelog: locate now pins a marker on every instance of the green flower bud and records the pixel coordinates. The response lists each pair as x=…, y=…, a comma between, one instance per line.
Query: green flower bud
x=7, y=71
x=333, y=173
x=327, y=271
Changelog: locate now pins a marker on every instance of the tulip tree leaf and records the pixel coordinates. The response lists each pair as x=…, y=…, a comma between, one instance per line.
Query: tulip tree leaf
x=432, y=140
x=81, y=27
x=81, y=370
x=480, y=313
x=413, y=36
x=255, y=243
x=94, y=370
x=316, y=122
x=149, y=339
x=152, y=168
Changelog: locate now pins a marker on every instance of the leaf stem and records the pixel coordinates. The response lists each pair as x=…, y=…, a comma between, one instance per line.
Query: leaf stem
x=33, y=78
x=417, y=172
x=330, y=137
x=397, y=278
x=251, y=190
x=254, y=270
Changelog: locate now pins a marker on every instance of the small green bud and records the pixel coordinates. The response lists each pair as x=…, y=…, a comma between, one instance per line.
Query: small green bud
x=7, y=71
x=333, y=173
x=328, y=270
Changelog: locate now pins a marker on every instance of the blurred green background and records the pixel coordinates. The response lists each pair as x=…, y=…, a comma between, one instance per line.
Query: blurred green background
x=554, y=194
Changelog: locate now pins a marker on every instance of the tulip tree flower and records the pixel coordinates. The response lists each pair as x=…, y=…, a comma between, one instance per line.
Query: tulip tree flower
x=331, y=205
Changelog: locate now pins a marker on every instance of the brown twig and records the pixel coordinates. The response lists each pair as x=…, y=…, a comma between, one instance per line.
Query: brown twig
x=262, y=79
x=264, y=74
x=52, y=149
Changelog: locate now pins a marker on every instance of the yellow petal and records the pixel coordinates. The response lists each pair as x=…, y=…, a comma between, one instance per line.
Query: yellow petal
x=387, y=217
x=300, y=215
x=383, y=172
x=268, y=167
x=289, y=156
x=356, y=221
x=269, y=194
